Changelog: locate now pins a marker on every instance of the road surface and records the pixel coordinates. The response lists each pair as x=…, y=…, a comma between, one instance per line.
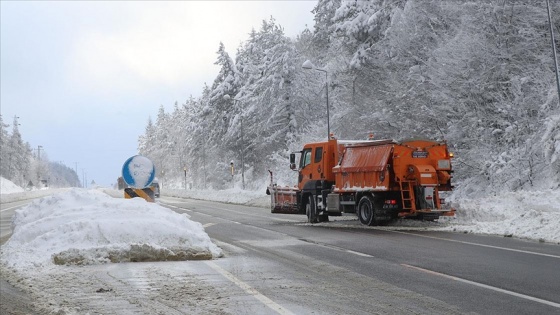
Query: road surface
x=278, y=264
x=350, y=268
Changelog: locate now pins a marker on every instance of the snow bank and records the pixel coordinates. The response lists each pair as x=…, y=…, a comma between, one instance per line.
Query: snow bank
x=531, y=215
x=11, y=194
x=233, y=195
x=7, y=187
x=89, y=227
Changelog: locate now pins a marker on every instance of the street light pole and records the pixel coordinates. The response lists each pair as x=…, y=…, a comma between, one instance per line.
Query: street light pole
x=310, y=66
x=242, y=151
x=553, y=50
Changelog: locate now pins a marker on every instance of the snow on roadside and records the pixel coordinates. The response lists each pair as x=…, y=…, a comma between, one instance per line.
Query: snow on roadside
x=30, y=194
x=8, y=187
x=533, y=215
x=232, y=195
x=10, y=194
x=89, y=227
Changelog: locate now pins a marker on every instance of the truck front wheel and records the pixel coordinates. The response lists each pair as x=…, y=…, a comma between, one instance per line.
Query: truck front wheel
x=311, y=210
x=366, y=210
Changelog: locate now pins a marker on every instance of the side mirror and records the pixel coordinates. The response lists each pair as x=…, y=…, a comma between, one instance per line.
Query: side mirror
x=292, y=161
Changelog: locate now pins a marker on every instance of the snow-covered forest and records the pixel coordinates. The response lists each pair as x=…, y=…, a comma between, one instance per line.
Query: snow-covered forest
x=30, y=167
x=478, y=74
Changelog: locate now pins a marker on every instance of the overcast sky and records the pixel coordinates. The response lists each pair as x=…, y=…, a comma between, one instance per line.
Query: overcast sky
x=84, y=77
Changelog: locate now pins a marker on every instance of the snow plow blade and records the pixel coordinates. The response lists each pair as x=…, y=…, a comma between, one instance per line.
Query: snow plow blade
x=283, y=199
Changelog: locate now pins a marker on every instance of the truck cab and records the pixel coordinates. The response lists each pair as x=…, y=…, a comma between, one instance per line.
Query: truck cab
x=316, y=163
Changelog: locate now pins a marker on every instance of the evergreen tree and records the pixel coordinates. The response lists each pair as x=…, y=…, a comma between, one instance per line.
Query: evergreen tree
x=5, y=150
x=19, y=154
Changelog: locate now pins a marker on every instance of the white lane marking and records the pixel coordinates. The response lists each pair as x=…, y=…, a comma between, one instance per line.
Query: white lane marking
x=358, y=253
x=333, y=247
x=249, y=290
x=523, y=296
x=478, y=244
x=208, y=224
x=171, y=206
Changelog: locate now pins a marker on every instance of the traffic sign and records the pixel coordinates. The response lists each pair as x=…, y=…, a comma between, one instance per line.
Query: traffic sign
x=138, y=172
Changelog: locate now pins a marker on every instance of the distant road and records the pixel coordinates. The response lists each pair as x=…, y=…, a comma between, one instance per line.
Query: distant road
x=7, y=211
x=343, y=267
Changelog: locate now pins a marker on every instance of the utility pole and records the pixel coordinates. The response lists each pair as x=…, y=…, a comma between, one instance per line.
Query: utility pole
x=553, y=50
x=204, y=165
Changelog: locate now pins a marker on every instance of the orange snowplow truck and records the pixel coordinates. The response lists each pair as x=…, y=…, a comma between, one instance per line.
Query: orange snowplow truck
x=379, y=180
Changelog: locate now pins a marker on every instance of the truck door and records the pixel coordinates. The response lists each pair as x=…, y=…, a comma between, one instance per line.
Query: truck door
x=318, y=164
x=305, y=169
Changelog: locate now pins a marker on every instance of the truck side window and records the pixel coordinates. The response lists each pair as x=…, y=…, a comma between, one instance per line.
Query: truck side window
x=305, y=158
x=318, y=154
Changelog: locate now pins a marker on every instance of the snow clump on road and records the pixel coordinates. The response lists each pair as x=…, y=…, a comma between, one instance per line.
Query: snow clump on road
x=89, y=227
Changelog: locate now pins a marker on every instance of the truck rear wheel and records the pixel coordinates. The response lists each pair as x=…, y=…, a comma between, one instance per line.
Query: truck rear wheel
x=311, y=210
x=366, y=210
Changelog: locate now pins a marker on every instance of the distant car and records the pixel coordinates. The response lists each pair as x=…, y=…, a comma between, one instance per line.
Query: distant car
x=155, y=184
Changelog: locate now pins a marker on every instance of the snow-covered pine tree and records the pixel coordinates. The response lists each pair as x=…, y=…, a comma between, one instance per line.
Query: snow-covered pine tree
x=5, y=150
x=19, y=159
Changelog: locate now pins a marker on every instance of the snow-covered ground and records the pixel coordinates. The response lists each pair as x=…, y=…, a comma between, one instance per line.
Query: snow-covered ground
x=232, y=195
x=533, y=215
x=8, y=187
x=90, y=227
x=80, y=227
x=10, y=192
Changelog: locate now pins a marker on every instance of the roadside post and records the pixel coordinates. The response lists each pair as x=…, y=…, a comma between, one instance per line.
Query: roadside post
x=231, y=166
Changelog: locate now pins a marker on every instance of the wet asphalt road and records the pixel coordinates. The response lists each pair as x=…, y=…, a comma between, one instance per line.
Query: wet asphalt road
x=347, y=268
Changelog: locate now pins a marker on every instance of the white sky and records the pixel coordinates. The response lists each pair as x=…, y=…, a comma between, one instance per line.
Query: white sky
x=85, y=76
